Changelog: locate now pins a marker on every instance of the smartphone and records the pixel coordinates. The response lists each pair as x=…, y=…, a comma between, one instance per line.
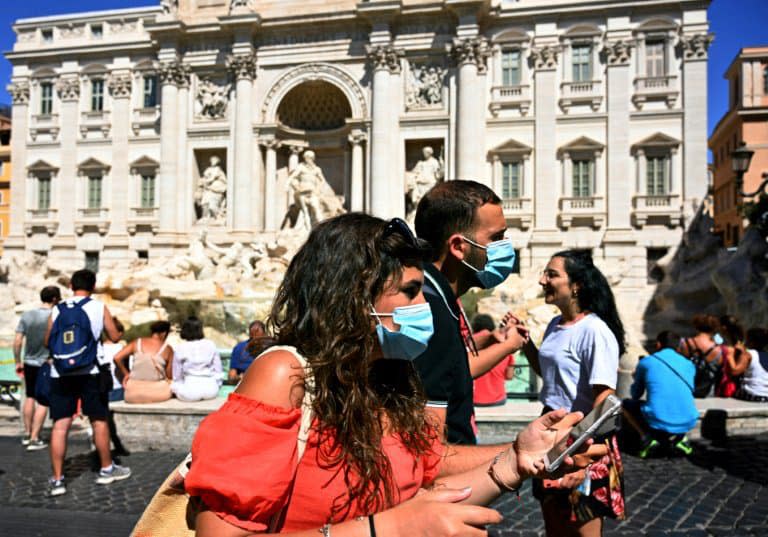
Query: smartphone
x=586, y=428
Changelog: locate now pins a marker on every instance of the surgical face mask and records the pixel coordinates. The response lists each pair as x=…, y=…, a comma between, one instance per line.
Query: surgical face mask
x=718, y=339
x=416, y=328
x=500, y=260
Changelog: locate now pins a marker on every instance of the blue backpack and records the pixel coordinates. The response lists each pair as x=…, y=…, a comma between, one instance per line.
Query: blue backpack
x=71, y=340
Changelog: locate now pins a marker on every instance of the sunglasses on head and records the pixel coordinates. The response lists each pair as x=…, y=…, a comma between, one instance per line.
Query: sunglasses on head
x=399, y=227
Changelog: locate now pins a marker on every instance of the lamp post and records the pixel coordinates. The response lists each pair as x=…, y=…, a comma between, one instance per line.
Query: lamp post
x=740, y=160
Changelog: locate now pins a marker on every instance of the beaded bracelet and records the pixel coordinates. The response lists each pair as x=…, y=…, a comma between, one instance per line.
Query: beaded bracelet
x=495, y=478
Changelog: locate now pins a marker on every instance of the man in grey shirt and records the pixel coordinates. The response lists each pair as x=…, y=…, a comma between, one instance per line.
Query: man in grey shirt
x=32, y=327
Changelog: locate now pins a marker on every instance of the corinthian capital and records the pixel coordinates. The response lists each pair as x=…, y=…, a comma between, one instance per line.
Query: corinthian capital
x=618, y=52
x=472, y=50
x=242, y=66
x=175, y=73
x=695, y=46
x=545, y=57
x=384, y=57
x=119, y=85
x=19, y=92
x=68, y=88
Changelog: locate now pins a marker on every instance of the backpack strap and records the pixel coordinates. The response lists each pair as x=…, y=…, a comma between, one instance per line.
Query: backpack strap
x=674, y=371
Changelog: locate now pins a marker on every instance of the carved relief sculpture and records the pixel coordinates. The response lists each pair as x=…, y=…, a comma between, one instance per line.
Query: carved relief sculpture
x=212, y=99
x=425, y=87
x=211, y=194
x=385, y=57
x=314, y=199
x=427, y=173
x=119, y=85
x=545, y=57
x=19, y=92
x=696, y=46
x=473, y=50
x=68, y=88
x=618, y=52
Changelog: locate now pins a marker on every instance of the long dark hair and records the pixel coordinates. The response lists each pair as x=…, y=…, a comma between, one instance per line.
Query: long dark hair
x=323, y=309
x=594, y=294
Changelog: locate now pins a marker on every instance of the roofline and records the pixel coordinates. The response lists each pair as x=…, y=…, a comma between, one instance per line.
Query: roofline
x=147, y=10
x=745, y=52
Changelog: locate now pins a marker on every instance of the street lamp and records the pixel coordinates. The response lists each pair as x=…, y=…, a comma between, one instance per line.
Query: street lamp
x=740, y=160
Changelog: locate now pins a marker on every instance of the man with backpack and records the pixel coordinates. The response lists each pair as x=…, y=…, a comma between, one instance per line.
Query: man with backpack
x=74, y=339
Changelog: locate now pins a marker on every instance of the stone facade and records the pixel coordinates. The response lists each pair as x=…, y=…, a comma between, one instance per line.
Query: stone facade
x=590, y=123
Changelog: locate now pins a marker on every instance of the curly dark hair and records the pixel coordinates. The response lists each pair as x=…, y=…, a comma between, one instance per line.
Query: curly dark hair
x=323, y=309
x=595, y=293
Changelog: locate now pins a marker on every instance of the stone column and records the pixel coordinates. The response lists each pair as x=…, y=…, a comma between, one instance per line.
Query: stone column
x=618, y=188
x=243, y=69
x=293, y=158
x=270, y=183
x=120, y=85
x=185, y=186
x=694, y=183
x=19, y=92
x=546, y=188
x=357, y=186
x=68, y=87
x=471, y=56
x=171, y=75
x=386, y=180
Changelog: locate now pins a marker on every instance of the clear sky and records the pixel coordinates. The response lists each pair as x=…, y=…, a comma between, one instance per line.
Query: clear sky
x=736, y=24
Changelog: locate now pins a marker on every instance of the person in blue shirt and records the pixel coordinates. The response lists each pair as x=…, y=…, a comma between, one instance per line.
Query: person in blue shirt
x=668, y=411
x=244, y=352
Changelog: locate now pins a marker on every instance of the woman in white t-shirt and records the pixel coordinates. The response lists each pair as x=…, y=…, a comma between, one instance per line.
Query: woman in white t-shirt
x=196, y=364
x=578, y=362
x=751, y=360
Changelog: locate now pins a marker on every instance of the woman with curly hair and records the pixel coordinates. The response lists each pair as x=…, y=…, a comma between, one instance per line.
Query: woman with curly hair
x=351, y=309
x=578, y=362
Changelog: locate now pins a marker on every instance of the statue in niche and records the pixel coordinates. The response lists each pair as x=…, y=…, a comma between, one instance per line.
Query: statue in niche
x=425, y=87
x=211, y=194
x=314, y=199
x=170, y=7
x=426, y=174
x=212, y=99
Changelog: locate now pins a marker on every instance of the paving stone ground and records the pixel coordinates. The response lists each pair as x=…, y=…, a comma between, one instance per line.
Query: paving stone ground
x=716, y=492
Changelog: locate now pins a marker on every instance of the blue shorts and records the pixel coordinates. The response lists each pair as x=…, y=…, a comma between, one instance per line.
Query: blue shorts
x=65, y=391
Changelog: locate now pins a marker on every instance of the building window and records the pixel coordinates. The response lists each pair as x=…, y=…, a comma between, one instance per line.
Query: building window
x=47, y=35
x=583, y=172
x=147, y=191
x=655, y=58
x=92, y=261
x=510, y=68
x=657, y=171
x=94, y=192
x=97, y=95
x=581, y=60
x=511, y=180
x=765, y=81
x=44, y=193
x=97, y=31
x=46, y=99
x=143, y=255
x=150, y=91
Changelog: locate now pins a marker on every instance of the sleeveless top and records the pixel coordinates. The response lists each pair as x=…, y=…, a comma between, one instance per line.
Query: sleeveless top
x=756, y=376
x=148, y=366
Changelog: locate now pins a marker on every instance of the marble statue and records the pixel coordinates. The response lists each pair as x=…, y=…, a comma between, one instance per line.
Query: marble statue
x=195, y=261
x=425, y=87
x=314, y=199
x=211, y=195
x=212, y=99
x=170, y=7
x=235, y=5
x=426, y=174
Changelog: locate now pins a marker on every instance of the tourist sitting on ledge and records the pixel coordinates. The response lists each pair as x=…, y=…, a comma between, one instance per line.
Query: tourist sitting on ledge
x=196, y=364
x=705, y=352
x=148, y=381
x=752, y=362
x=244, y=352
x=668, y=411
x=349, y=318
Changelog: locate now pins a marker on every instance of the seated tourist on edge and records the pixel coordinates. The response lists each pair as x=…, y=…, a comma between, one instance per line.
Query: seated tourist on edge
x=490, y=388
x=752, y=362
x=668, y=412
x=244, y=352
x=148, y=381
x=196, y=364
x=351, y=309
x=705, y=353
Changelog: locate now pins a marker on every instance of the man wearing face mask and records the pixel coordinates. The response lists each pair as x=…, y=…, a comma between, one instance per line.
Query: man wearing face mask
x=464, y=224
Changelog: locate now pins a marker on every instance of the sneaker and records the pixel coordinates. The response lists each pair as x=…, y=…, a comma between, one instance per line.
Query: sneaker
x=116, y=474
x=684, y=446
x=35, y=445
x=646, y=450
x=56, y=487
x=25, y=441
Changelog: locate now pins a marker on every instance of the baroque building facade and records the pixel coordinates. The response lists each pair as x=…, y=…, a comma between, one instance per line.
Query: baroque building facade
x=588, y=118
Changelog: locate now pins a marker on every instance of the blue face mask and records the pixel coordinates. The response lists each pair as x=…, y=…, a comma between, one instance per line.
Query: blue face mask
x=416, y=328
x=499, y=264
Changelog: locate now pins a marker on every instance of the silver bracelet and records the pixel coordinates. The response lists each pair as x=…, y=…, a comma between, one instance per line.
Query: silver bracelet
x=326, y=530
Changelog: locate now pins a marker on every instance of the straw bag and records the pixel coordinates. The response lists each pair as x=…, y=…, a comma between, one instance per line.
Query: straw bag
x=171, y=512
